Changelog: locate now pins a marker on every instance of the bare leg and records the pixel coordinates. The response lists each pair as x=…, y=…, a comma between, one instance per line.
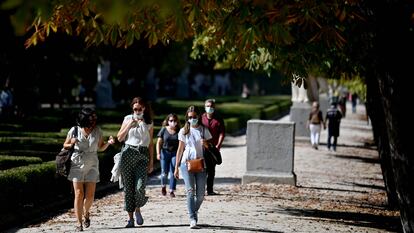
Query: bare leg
x=78, y=202
x=89, y=196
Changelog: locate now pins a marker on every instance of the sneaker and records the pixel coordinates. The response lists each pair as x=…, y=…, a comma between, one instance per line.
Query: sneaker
x=212, y=193
x=139, y=218
x=130, y=224
x=172, y=194
x=193, y=224
x=163, y=191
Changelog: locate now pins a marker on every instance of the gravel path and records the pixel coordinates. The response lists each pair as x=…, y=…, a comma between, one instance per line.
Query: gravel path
x=340, y=191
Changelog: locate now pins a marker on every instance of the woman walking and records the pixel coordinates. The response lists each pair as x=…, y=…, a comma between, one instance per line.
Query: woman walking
x=167, y=145
x=192, y=137
x=84, y=170
x=137, y=157
x=315, y=124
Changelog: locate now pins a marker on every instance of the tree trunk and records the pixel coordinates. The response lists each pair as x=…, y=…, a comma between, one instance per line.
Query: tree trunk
x=376, y=112
x=393, y=50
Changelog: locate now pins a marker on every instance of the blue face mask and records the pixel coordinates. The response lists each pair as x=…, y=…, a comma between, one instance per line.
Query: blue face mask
x=193, y=121
x=209, y=110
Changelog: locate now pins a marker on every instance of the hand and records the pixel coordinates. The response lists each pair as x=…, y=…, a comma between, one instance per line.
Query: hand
x=150, y=168
x=176, y=173
x=205, y=143
x=158, y=156
x=111, y=140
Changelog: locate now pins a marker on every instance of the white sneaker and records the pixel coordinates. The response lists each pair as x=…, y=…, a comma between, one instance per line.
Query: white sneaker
x=193, y=224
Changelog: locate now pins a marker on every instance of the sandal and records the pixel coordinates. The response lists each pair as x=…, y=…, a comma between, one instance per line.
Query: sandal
x=87, y=221
x=79, y=228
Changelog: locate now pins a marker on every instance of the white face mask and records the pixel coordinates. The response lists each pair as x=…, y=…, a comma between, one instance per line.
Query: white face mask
x=209, y=110
x=172, y=123
x=193, y=121
x=138, y=116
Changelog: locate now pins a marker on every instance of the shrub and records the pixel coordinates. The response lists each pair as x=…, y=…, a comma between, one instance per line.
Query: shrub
x=29, y=185
x=7, y=162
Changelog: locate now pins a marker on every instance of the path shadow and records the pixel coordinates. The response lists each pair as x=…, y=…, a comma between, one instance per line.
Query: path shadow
x=389, y=223
x=331, y=189
x=235, y=229
x=202, y=226
x=362, y=159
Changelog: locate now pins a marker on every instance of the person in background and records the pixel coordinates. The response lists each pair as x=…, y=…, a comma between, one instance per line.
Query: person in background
x=192, y=138
x=215, y=125
x=84, y=170
x=333, y=118
x=354, y=99
x=137, y=157
x=315, y=123
x=167, y=145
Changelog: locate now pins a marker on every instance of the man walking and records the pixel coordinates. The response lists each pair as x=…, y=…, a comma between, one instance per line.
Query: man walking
x=215, y=125
x=333, y=118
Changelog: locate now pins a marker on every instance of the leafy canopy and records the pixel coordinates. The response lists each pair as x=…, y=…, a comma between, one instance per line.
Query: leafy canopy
x=293, y=36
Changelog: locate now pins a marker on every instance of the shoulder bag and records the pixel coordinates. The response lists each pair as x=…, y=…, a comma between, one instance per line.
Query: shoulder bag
x=63, y=161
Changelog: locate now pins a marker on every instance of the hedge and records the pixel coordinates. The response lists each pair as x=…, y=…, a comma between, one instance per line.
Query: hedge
x=7, y=162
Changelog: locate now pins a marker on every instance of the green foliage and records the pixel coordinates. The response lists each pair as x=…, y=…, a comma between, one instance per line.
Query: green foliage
x=7, y=162
x=27, y=185
x=232, y=124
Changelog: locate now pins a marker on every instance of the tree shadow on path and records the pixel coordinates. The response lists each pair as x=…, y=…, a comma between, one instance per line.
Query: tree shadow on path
x=389, y=223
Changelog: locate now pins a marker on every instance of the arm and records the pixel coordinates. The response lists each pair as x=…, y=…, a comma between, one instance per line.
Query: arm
x=220, y=140
x=102, y=145
x=69, y=141
x=221, y=136
x=126, y=125
x=151, y=151
x=158, y=147
x=180, y=151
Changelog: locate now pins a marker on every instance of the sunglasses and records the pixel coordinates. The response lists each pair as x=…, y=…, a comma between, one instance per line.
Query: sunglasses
x=137, y=109
x=172, y=121
x=192, y=117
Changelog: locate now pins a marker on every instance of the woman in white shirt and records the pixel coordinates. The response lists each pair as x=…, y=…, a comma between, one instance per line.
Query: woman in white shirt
x=137, y=157
x=192, y=138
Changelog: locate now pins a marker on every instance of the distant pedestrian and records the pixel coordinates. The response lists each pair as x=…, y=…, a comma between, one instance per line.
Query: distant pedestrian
x=342, y=104
x=192, y=138
x=137, y=157
x=315, y=123
x=84, y=170
x=333, y=118
x=354, y=99
x=215, y=125
x=167, y=145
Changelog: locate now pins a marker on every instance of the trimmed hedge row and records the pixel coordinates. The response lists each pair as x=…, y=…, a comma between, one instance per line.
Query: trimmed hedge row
x=7, y=161
x=29, y=185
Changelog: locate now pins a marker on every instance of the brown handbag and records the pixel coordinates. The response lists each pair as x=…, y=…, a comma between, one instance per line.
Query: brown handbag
x=195, y=165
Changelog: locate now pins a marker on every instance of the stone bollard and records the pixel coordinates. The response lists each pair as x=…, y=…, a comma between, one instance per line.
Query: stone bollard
x=270, y=151
x=299, y=113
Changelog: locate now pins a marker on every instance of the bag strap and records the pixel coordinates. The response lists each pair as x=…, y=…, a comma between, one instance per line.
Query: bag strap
x=75, y=132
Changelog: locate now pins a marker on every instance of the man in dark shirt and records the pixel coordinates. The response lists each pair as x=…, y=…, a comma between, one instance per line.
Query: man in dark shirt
x=215, y=125
x=333, y=118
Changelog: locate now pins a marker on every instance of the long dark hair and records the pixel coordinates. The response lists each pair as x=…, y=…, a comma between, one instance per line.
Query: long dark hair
x=147, y=112
x=187, y=124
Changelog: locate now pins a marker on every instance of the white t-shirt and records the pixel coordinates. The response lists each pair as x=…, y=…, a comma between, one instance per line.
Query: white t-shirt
x=193, y=146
